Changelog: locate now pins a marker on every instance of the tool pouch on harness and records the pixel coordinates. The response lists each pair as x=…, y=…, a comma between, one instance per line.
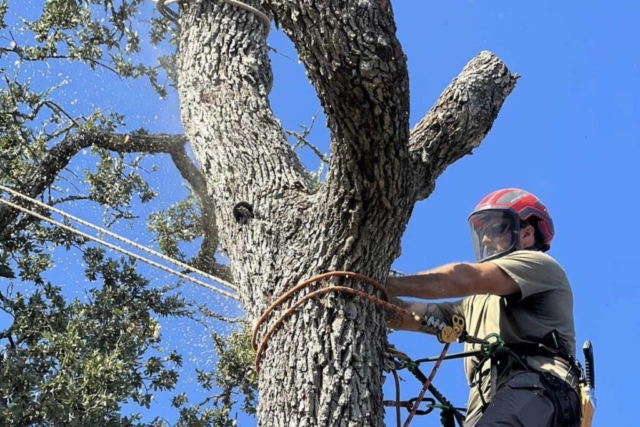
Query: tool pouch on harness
x=566, y=400
x=565, y=396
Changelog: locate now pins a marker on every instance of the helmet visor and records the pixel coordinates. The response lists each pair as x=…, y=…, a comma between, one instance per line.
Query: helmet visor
x=494, y=233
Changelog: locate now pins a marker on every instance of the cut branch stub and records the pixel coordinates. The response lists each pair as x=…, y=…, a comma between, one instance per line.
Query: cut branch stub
x=460, y=119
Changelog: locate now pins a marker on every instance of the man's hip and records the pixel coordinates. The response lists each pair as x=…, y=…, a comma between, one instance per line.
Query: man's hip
x=531, y=399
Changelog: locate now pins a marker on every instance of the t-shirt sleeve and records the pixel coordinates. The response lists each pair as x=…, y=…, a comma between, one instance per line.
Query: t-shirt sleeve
x=533, y=271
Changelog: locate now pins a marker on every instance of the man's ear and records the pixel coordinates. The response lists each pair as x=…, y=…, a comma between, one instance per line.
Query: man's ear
x=528, y=236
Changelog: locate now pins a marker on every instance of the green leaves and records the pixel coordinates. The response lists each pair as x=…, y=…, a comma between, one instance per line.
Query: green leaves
x=114, y=182
x=234, y=376
x=181, y=222
x=78, y=362
x=3, y=12
x=235, y=371
x=97, y=33
x=76, y=355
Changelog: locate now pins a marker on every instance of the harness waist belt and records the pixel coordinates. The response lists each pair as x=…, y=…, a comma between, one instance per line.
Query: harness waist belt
x=525, y=349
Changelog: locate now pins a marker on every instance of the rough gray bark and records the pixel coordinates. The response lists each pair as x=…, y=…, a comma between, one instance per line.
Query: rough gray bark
x=324, y=366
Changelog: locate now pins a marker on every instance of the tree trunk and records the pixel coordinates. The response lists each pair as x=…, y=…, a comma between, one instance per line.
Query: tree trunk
x=323, y=366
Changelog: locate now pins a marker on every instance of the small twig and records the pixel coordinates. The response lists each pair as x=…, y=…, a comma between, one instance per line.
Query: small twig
x=64, y=178
x=58, y=109
x=24, y=57
x=277, y=52
x=60, y=132
x=208, y=313
x=307, y=129
x=302, y=140
x=71, y=199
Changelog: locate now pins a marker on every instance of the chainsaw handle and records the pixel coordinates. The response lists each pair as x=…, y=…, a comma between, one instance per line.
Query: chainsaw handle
x=589, y=368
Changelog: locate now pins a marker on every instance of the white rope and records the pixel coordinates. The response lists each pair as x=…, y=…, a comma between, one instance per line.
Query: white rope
x=118, y=237
x=118, y=249
x=166, y=12
x=261, y=16
x=173, y=16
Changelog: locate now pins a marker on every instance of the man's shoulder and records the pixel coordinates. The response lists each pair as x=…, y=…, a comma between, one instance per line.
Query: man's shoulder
x=527, y=255
x=533, y=264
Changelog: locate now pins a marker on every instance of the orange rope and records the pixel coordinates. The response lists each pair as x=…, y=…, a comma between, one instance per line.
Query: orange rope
x=312, y=295
x=308, y=282
x=340, y=289
x=427, y=383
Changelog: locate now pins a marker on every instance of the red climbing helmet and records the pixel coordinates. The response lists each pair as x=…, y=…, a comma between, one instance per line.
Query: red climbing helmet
x=498, y=217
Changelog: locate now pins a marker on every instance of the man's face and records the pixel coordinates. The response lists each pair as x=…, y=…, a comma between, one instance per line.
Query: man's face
x=492, y=232
x=497, y=237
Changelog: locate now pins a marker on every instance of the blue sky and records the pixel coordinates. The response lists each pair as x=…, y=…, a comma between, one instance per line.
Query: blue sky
x=568, y=133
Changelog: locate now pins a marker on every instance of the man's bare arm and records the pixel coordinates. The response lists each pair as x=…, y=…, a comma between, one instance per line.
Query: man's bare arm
x=454, y=281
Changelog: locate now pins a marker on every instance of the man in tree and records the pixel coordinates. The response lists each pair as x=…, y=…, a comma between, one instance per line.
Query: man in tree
x=517, y=291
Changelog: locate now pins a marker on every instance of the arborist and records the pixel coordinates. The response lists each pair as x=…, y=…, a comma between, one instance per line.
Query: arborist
x=515, y=291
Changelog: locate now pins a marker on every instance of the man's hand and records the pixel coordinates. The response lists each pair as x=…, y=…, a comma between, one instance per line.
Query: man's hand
x=401, y=322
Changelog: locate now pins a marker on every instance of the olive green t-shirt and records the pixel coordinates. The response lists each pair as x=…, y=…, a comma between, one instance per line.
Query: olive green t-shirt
x=545, y=304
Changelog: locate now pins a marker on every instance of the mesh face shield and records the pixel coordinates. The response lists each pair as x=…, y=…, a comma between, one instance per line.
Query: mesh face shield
x=494, y=233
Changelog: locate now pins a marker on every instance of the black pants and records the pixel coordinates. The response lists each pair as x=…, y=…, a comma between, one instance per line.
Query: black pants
x=531, y=399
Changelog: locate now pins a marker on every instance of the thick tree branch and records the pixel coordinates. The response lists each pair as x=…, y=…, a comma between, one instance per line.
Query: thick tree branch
x=225, y=79
x=61, y=154
x=356, y=63
x=205, y=260
x=460, y=119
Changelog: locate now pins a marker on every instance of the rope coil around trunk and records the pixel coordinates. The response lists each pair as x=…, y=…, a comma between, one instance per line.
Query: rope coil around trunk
x=260, y=349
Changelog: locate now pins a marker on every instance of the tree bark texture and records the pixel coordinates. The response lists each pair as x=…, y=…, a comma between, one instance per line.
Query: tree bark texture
x=323, y=367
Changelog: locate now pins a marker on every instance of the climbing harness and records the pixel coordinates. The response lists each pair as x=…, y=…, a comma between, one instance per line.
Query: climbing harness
x=493, y=347
x=402, y=361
